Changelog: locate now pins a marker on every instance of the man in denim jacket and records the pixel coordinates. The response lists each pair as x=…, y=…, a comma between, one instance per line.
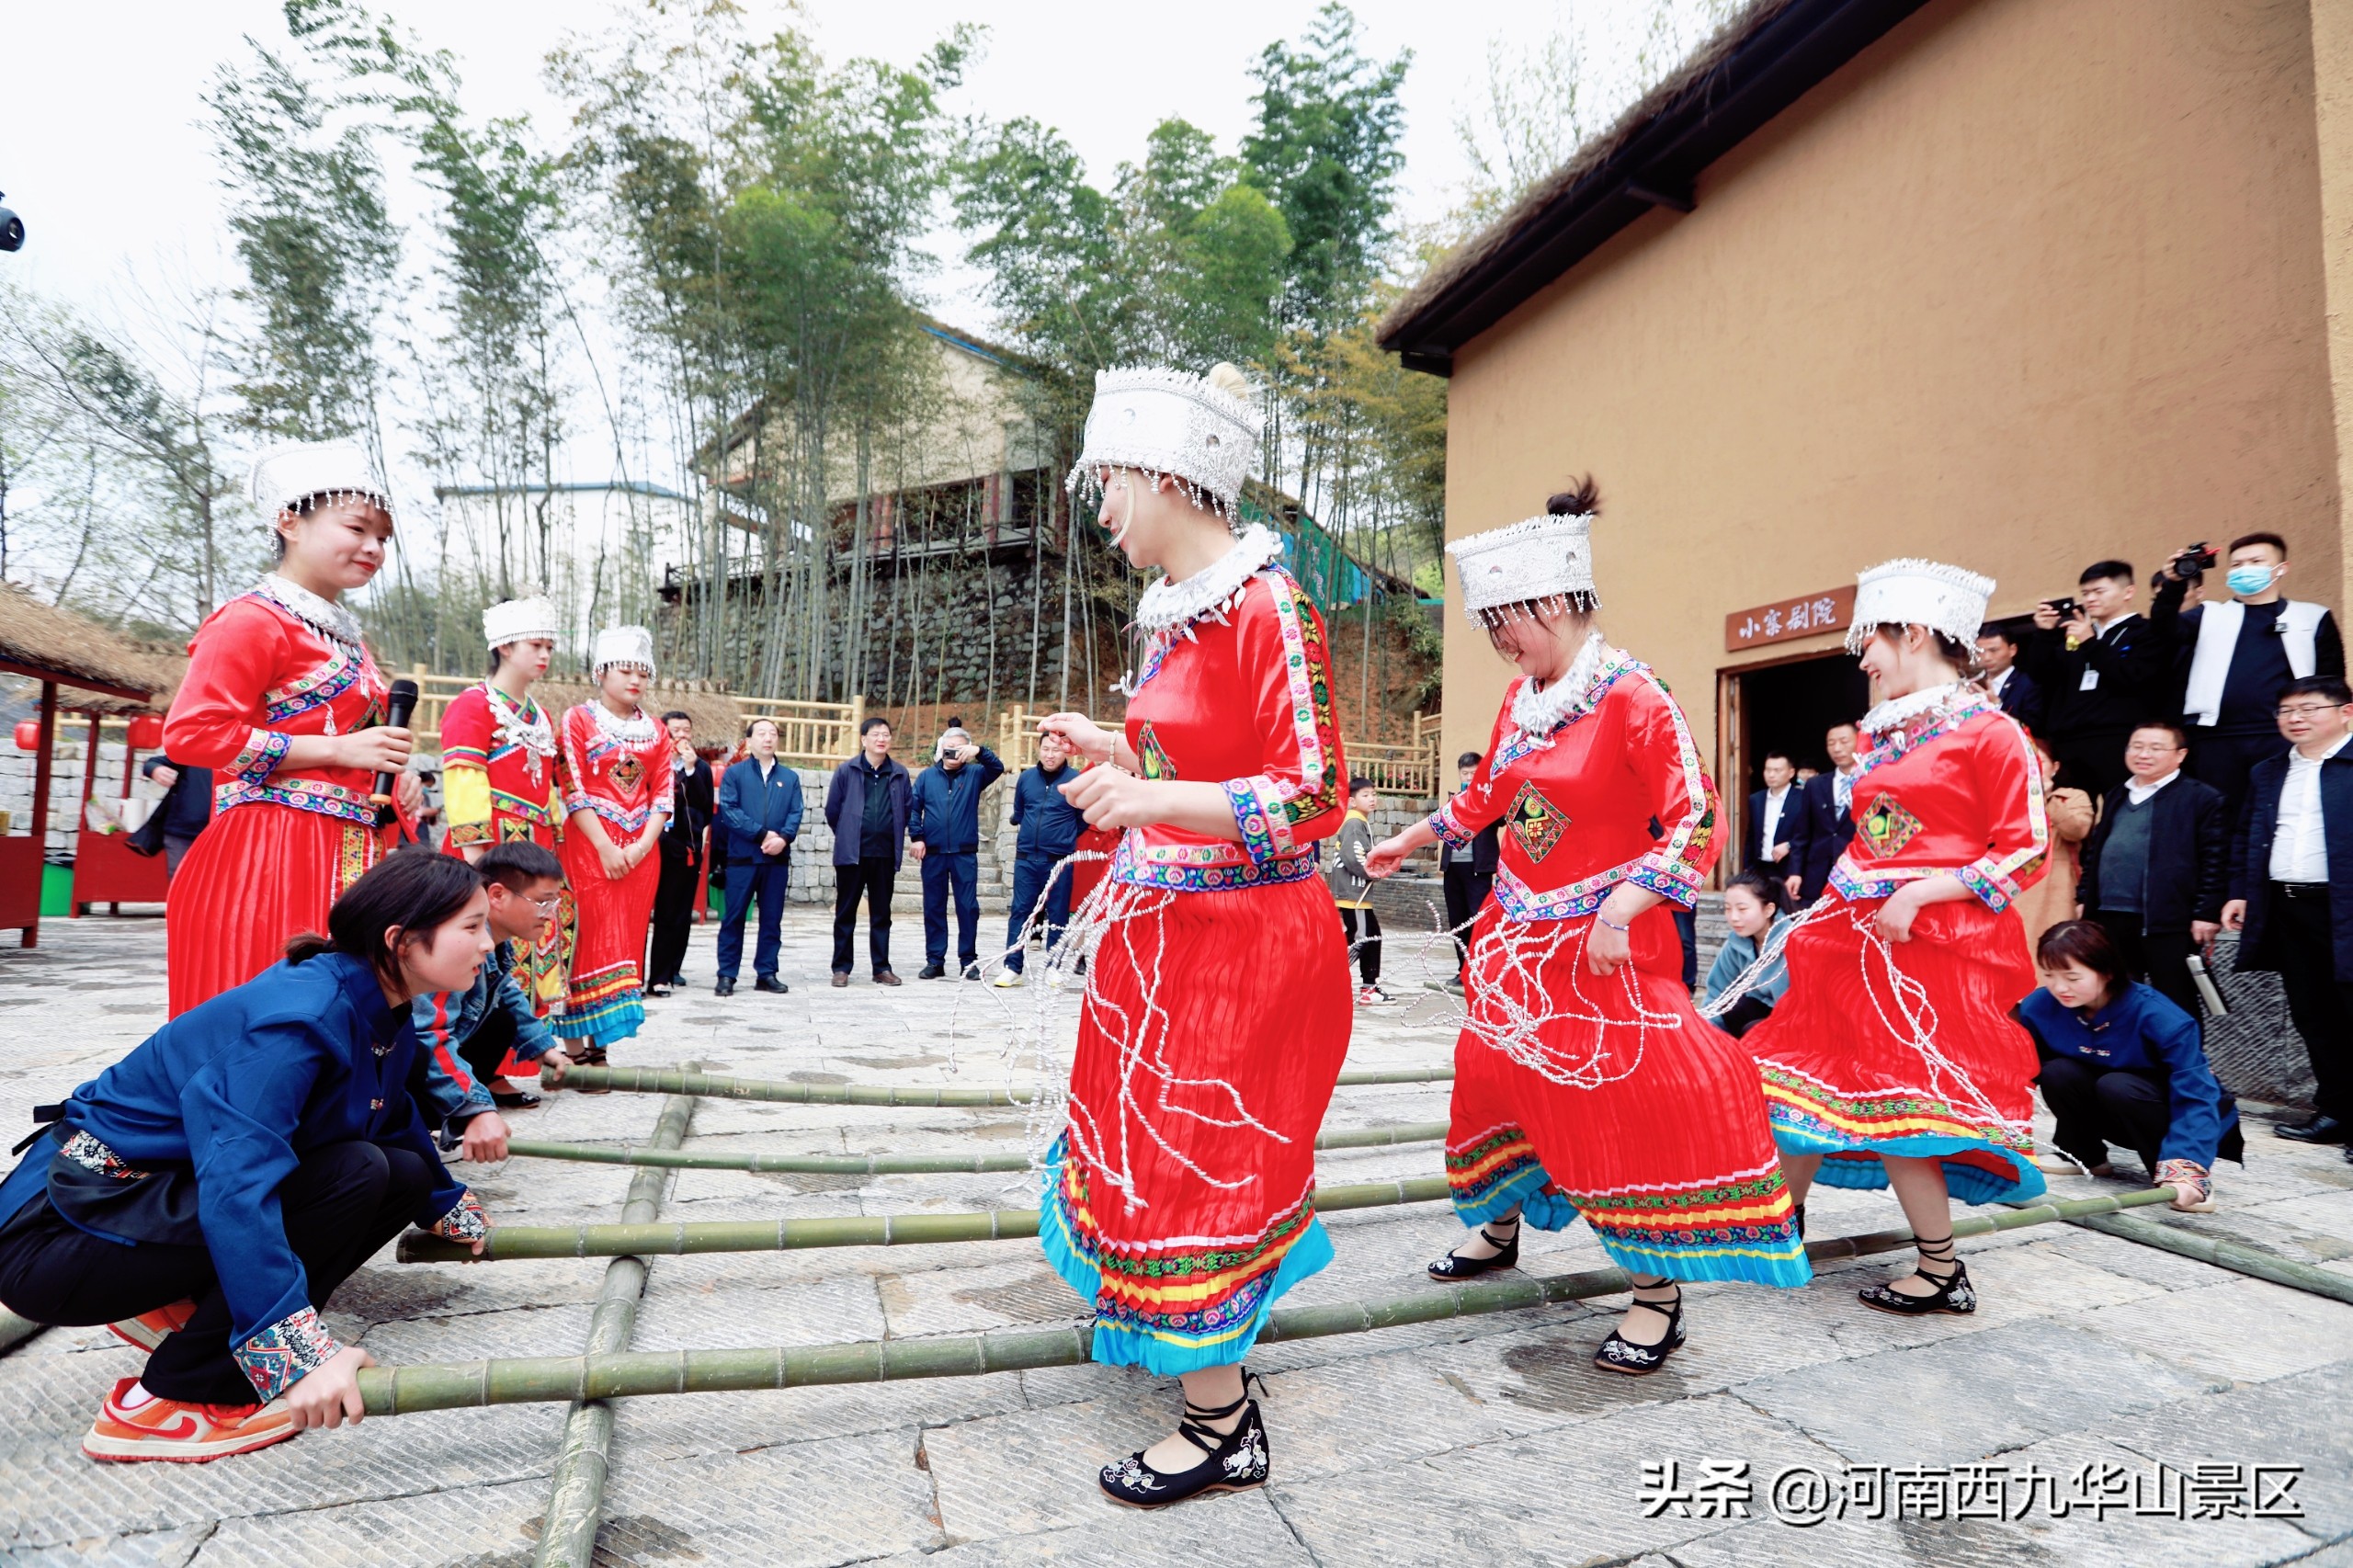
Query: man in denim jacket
x=468, y=1034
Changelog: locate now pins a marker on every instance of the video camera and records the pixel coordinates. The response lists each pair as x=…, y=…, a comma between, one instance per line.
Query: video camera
x=2195, y=563
x=12, y=229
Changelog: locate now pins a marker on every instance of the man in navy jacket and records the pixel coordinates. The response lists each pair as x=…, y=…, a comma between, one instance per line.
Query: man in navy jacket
x=2155, y=870
x=867, y=805
x=945, y=824
x=1825, y=826
x=2291, y=889
x=1048, y=827
x=759, y=817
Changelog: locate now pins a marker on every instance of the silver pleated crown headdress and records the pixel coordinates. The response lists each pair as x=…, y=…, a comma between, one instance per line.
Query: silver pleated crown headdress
x=1950, y=600
x=632, y=645
x=1540, y=560
x=287, y=475
x=1168, y=422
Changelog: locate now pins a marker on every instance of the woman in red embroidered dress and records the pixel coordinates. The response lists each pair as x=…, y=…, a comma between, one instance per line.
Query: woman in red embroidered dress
x=284, y=703
x=1584, y=1082
x=617, y=787
x=1893, y=1059
x=1180, y=1199
x=498, y=762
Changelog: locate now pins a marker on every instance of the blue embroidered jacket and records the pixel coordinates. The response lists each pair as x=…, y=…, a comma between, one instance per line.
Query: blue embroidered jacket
x=240, y=1089
x=2142, y=1031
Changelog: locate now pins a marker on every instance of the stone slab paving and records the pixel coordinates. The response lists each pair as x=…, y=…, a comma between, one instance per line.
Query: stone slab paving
x=1489, y=1439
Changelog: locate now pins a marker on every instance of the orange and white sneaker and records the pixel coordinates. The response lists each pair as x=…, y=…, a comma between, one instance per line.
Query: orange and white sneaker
x=149, y=1329
x=189, y=1434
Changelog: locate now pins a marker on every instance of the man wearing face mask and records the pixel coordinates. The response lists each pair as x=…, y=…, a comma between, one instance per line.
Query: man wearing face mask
x=2234, y=658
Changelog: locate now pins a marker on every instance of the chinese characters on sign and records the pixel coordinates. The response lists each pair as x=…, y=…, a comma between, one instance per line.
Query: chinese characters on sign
x=1784, y=619
x=1803, y=1495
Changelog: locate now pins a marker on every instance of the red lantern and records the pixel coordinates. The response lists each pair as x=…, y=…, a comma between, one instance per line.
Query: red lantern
x=147, y=732
x=28, y=734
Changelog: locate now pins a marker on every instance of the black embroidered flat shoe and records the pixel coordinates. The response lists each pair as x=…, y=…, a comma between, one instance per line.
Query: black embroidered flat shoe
x=1953, y=1292
x=1231, y=1461
x=1798, y=1214
x=1620, y=1353
x=1453, y=1266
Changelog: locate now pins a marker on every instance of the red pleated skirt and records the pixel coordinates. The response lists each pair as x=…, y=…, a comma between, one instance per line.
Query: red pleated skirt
x=258, y=874
x=1658, y=1137
x=605, y=992
x=1180, y=1199
x=1843, y=1079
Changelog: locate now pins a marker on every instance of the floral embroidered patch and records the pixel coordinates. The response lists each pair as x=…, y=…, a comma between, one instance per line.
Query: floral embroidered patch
x=1535, y=822
x=1887, y=827
x=1149, y=753
x=627, y=774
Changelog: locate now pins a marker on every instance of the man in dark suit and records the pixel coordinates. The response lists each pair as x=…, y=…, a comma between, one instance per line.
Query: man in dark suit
x=2155, y=868
x=682, y=856
x=867, y=805
x=1998, y=655
x=1825, y=823
x=1765, y=836
x=2102, y=671
x=2293, y=914
x=1468, y=879
x=759, y=817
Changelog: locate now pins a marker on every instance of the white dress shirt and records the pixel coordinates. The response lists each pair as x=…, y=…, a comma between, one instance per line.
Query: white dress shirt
x=1774, y=800
x=2300, y=844
x=2140, y=791
x=1994, y=683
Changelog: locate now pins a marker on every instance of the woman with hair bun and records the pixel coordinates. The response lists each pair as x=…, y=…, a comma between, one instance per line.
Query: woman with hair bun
x=1893, y=1059
x=1584, y=1082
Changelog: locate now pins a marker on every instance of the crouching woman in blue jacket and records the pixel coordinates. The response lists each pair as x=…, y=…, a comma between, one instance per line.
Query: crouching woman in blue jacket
x=207, y=1194
x=2123, y=1064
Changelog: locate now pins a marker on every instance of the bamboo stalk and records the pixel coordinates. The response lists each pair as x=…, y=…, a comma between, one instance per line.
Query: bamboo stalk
x=404, y=1391
x=714, y=1086
x=2240, y=1257
x=887, y=1165
x=576, y=1502
x=507, y=1241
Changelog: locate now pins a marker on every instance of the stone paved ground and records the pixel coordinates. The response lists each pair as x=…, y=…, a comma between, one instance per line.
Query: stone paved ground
x=1491, y=1440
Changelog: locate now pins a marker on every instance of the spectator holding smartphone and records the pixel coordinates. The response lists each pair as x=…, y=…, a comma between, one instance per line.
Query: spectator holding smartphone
x=2099, y=665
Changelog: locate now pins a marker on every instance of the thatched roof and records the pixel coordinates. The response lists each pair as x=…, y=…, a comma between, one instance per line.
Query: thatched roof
x=715, y=714
x=1762, y=61
x=49, y=643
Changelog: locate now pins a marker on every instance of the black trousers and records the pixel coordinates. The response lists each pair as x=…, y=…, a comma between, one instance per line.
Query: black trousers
x=2224, y=760
x=673, y=914
x=2160, y=959
x=1745, y=1015
x=1363, y=928
x=2094, y=1106
x=870, y=878
x=485, y=1047
x=341, y=1203
x=1466, y=894
x=2303, y=938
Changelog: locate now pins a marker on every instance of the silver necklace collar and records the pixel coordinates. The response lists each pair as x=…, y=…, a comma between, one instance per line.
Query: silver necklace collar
x=323, y=616
x=1898, y=711
x=1539, y=713
x=1165, y=606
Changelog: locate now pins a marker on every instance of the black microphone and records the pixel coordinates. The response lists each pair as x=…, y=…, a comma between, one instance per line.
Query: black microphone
x=397, y=708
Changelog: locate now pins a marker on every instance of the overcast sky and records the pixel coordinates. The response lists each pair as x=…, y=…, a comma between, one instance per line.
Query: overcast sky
x=101, y=153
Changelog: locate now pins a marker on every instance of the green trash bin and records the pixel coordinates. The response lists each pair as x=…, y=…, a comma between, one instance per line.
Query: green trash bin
x=56, y=890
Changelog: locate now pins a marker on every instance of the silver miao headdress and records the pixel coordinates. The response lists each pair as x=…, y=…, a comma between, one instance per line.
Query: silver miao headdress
x=288, y=474
x=632, y=645
x=1161, y=421
x=518, y=619
x=1950, y=600
x=1545, y=562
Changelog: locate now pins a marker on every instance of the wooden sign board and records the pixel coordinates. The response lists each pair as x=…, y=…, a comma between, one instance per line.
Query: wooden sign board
x=1807, y=615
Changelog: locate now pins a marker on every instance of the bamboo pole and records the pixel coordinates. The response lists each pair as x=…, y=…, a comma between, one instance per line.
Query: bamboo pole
x=576, y=1502
x=405, y=1391
x=508, y=1242
x=2240, y=1257
x=714, y=1086
x=887, y=1165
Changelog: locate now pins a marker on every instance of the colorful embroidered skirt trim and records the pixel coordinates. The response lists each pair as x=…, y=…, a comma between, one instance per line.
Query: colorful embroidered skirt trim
x=1741, y=1228
x=1983, y=1164
x=1179, y=1307
x=1497, y=1171
x=603, y=1006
